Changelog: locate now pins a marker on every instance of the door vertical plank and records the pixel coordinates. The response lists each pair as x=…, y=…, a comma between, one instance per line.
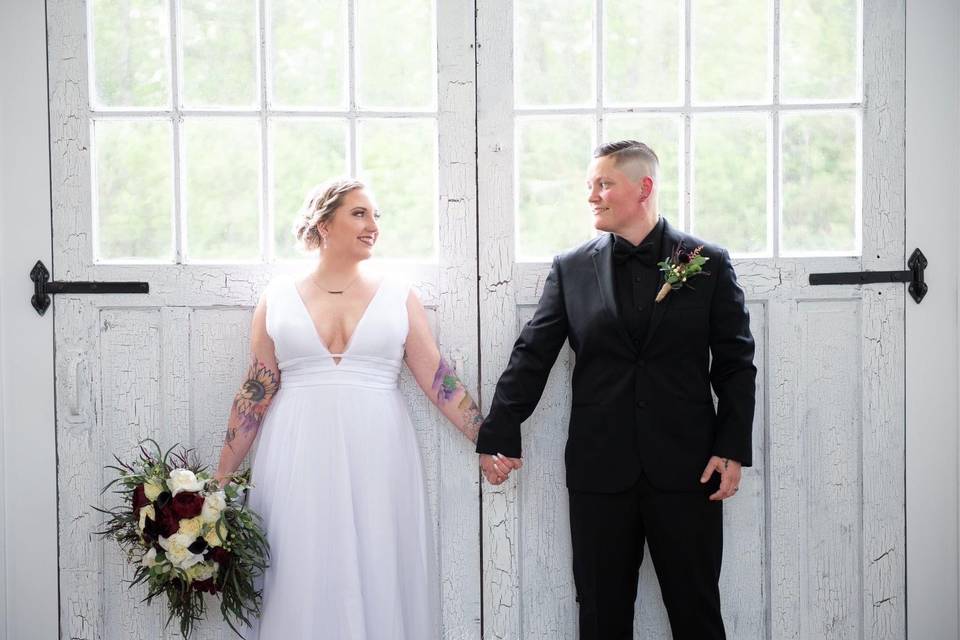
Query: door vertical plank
x=884, y=200
x=458, y=518
x=498, y=310
x=78, y=472
x=785, y=471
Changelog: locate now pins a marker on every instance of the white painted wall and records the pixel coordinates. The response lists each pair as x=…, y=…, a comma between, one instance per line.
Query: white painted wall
x=3, y=484
x=27, y=452
x=933, y=203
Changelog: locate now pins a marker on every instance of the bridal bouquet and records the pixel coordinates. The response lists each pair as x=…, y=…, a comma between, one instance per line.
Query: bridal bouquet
x=186, y=536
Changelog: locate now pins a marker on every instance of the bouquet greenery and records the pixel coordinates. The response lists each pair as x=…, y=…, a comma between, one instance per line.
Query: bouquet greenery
x=186, y=536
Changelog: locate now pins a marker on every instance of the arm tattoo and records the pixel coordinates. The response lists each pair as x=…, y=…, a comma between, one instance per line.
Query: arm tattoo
x=447, y=385
x=472, y=417
x=251, y=402
x=445, y=382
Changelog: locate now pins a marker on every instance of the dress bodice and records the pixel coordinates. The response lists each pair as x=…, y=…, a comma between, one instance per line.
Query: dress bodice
x=371, y=359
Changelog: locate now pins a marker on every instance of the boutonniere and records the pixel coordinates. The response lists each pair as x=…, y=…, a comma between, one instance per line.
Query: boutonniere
x=680, y=267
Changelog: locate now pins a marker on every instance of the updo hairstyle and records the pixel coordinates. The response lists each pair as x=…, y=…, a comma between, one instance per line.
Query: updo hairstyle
x=318, y=209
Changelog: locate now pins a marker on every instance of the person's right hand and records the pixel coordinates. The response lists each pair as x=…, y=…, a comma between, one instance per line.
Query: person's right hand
x=496, y=469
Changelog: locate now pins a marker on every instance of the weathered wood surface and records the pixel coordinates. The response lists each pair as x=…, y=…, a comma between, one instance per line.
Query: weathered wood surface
x=166, y=365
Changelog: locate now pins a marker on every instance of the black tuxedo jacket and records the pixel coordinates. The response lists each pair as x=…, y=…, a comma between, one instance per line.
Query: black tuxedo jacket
x=635, y=408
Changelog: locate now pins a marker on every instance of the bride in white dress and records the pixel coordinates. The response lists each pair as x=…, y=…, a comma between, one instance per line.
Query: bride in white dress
x=337, y=475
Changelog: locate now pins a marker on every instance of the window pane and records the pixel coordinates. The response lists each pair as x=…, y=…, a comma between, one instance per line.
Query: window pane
x=304, y=153
x=221, y=169
x=134, y=189
x=219, y=41
x=731, y=69
x=819, y=182
x=555, y=60
x=395, y=41
x=131, y=53
x=730, y=192
x=552, y=158
x=308, y=53
x=820, y=42
x=663, y=135
x=643, y=52
x=398, y=161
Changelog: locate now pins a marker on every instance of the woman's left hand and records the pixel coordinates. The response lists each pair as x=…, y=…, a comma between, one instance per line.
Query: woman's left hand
x=496, y=469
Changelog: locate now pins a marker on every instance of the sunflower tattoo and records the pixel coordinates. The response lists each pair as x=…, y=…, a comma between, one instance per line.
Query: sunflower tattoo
x=251, y=402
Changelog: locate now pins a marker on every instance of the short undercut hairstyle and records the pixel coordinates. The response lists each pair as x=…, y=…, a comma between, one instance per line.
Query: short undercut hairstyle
x=630, y=152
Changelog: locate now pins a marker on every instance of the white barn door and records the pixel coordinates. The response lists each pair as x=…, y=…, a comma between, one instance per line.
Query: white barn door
x=786, y=147
x=183, y=136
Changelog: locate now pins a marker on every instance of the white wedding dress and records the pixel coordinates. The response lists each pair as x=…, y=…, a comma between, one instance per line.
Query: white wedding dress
x=339, y=483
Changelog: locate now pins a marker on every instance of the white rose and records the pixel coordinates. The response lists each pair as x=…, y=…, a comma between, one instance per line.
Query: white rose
x=190, y=527
x=149, y=558
x=213, y=504
x=146, y=512
x=203, y=570
x=152, y=490
x=178, y=552
x=183, y=480
x=213, y=537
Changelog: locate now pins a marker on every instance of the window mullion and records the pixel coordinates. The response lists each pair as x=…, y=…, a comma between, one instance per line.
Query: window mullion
x=352, y=147
x=775, y=181
x=266, y=188
x=598, y=34
x=686, y=212
x=179, y=229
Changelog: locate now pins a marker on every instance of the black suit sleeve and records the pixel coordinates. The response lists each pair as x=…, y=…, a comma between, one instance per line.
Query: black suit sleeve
x=732, y=372
x=521, y=384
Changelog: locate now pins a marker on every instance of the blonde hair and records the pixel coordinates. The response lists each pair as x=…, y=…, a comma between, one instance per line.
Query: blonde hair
x=321, y=203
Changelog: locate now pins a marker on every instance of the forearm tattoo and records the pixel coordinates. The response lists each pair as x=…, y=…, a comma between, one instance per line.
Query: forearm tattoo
x=445, y=382
x=251, y=402
x=472, y=417
x=447, y=385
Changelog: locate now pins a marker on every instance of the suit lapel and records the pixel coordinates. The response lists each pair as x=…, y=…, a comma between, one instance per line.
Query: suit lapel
x=670, y=239
x=603, y=265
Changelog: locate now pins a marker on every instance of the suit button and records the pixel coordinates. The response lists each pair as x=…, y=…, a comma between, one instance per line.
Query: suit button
x=641, y=404
x=641, y=363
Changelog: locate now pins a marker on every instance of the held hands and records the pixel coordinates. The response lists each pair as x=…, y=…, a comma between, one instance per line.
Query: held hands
x=497, y=468
x=729, y=471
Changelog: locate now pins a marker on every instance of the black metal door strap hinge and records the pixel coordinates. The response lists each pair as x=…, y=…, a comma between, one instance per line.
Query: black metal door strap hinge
x=913, y=275
x=43, y=288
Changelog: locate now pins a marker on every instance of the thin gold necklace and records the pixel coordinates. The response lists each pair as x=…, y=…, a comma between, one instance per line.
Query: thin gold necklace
x=336, y=293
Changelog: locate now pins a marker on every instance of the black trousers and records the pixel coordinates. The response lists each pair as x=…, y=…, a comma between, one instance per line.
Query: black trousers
x=684, y=531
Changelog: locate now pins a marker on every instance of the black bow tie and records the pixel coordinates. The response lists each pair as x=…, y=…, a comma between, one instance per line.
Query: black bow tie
x=624, y=251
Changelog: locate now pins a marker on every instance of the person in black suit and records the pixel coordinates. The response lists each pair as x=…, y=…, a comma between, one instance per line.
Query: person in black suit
x=648, y=457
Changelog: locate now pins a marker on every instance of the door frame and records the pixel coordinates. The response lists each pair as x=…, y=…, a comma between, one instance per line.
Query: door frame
x=28, y=546
x=932, y=385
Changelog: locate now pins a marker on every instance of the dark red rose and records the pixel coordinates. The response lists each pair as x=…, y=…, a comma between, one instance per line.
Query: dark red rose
x=219, y=555
x=683, y=257
x=207, y=585
x=139, y=500
x=187, y=504
x=168, y=520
